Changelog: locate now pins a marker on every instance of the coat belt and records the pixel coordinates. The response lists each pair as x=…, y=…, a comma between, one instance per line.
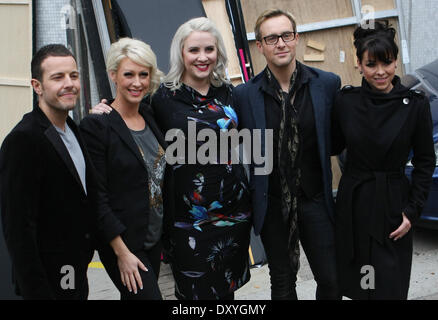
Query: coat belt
x=376, y=222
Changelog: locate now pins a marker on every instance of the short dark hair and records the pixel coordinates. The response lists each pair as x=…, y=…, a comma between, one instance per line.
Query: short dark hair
x=50, y=50
x=379, y=41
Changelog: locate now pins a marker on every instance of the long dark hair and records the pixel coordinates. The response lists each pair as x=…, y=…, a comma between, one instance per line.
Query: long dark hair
x=378, y=41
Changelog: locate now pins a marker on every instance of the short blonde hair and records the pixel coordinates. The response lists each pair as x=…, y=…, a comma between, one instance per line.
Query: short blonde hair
x=139, y=52
x=218, y=77
x=271, y=13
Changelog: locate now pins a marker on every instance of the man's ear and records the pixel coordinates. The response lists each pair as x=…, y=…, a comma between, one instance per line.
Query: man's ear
x=259, y=46
x=37, y=86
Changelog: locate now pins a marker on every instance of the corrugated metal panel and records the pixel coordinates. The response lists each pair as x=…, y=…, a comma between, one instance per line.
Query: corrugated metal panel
x=57, y=21
x=420, y=20
x=50, y=21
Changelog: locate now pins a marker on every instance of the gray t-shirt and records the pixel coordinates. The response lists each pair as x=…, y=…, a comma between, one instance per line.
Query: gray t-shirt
x=153, y=156
x=75, y=151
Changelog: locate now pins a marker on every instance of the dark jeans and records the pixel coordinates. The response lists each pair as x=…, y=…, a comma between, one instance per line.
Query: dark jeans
x=316, y=233
x=150, y=258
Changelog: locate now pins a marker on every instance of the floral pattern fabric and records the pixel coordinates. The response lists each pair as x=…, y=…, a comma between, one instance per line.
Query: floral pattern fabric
x=211, y=232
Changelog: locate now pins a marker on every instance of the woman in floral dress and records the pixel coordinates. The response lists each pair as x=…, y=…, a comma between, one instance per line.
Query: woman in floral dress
x=207, y=242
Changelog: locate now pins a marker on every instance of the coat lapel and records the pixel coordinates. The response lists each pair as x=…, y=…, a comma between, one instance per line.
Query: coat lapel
x=147, y=113
x=87, y=159
x=257, y=105
x=53, y=136
x=120, y=128
x=381, y=131
x=321, y=114
x=391, y=130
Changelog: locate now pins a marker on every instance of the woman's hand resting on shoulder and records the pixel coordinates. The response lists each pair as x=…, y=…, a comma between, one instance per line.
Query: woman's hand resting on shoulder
x=101, y=108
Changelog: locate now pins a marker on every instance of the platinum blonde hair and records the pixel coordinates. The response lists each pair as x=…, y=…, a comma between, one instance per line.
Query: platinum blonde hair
x=140, y=53
x=218, y=77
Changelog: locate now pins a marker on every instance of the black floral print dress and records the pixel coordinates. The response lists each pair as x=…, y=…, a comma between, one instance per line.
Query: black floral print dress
x=210, y=235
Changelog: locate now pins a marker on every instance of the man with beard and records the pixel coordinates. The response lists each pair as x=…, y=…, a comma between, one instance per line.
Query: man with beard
x=46, y=182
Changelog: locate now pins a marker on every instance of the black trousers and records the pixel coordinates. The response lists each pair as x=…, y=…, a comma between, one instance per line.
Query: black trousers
x=316, y=232
x=150, y=258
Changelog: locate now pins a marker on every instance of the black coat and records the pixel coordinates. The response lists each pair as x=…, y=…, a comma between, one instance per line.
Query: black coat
x=379, y=131
x=249, y=103
x=124, y=203
x=47, y=217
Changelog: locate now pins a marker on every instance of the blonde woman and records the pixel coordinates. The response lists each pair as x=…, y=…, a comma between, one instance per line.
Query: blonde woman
x=207, y=245
x=127, y=149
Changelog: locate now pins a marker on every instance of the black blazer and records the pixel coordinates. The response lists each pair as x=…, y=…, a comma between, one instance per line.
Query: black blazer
x=47, y=217
x=249, y=103
x=124, y=204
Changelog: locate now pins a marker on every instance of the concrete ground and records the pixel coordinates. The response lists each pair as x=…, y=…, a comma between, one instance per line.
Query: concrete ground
x=424, y=276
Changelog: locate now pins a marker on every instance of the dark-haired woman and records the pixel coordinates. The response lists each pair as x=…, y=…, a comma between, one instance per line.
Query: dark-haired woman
x=379, y=123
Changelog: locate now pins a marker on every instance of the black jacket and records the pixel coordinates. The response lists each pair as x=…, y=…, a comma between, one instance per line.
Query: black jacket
x=249, y=103
x=379, y=130
x=124, y=204
x=47, y=217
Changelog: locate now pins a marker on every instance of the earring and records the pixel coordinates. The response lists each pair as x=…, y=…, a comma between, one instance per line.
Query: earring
x=360, y=72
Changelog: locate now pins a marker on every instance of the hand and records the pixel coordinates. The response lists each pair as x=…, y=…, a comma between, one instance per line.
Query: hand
x=101, y=108
x=128, y=265
x=402, y=230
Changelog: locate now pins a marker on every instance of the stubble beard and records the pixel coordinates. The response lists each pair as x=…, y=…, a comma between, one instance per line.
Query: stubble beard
x=58, y=105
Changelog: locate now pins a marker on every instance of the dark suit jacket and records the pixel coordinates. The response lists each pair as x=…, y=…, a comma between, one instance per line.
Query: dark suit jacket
x=124, y=204
x=248, y=100
x=47, y=217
